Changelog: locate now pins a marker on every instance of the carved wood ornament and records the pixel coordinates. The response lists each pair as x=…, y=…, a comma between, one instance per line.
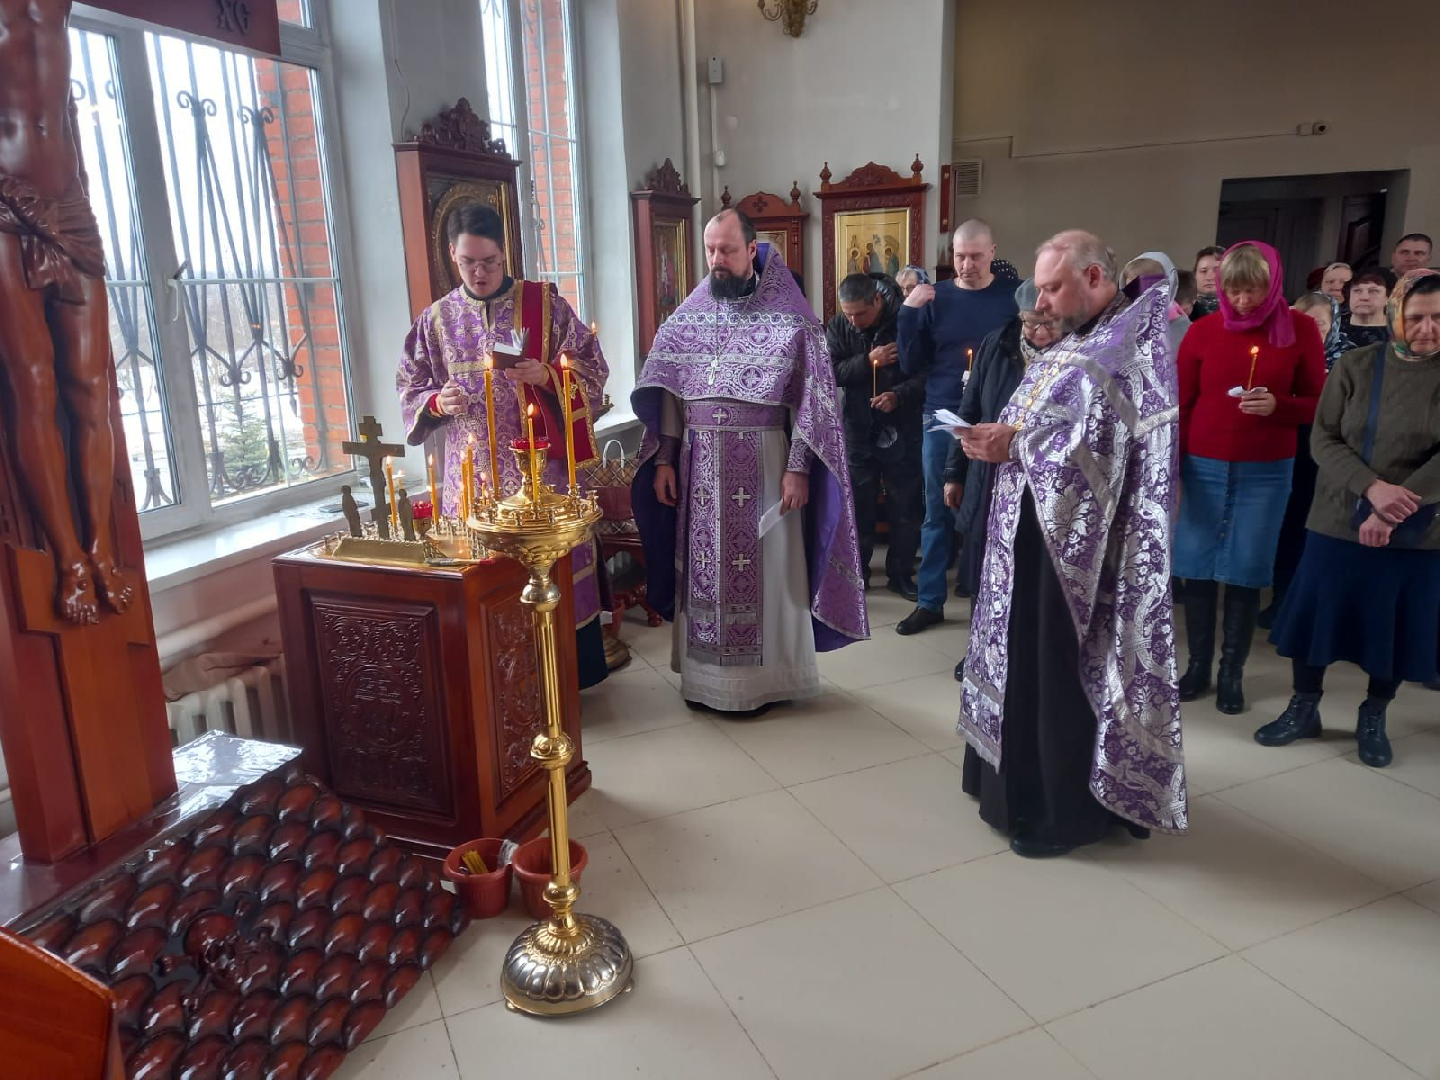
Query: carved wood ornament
x=870, y=187
x=771, y=214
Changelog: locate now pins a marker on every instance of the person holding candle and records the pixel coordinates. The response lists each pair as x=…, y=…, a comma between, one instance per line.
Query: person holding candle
x=881, y=414
x=459, y=375
x=1248, y=380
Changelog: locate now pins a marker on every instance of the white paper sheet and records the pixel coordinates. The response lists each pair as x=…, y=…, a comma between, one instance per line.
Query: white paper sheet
x=945, y=420
x=770, y=519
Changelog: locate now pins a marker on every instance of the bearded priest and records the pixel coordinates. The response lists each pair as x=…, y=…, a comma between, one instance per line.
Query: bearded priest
x=743, y=494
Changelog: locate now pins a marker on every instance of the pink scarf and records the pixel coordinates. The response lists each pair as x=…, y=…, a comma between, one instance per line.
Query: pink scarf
x=1274, y=314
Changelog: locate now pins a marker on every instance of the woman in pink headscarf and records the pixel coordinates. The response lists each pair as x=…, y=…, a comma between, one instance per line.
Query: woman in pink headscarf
x=1248, y=380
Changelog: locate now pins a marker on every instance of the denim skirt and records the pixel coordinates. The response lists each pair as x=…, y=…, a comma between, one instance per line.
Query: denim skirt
x=1230, y=518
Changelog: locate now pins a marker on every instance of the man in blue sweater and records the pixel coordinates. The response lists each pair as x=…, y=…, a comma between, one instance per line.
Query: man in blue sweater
x=940, y=331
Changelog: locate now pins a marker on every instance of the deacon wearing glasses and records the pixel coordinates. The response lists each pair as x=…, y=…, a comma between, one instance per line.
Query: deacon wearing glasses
x=525, y=328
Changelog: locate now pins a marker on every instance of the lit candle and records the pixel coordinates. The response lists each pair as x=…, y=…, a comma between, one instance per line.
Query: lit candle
x=430, y=477
x=1254, y=356
x=595, y=330
x=569, y=423
x=530, y=436
x=490, y=420
x=467, y=477
x=874, y=378
x=969, y=358
x=390, y=483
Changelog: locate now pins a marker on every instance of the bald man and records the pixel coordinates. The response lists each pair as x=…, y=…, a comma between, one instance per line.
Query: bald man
x=1069, y=702
x=940, y=331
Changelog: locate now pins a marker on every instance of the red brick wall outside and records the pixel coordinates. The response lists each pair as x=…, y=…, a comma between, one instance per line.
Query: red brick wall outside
x=551, y=168
x=303, y=240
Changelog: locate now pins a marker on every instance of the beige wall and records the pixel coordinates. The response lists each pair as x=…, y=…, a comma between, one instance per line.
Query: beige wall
x=1065, y=103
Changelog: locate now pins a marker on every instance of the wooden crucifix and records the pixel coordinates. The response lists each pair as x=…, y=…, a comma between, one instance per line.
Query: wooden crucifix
x=375, y=452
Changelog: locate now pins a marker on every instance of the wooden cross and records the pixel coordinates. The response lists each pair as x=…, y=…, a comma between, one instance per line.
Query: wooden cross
x=375, y=452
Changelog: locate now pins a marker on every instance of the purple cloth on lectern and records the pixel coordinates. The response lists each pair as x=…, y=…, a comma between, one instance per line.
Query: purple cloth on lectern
x=1098, y=452
x=763, y=349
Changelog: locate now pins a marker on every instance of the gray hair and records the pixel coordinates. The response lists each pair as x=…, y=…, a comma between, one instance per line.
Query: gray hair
x=919, y=273
x=1083, y=250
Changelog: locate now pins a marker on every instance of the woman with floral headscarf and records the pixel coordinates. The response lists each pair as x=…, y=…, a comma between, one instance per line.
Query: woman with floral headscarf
x=1248, y=380
x=1368, y=587
x=1325, y=310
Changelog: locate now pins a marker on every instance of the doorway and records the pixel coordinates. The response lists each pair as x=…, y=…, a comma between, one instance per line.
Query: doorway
x=1313, y=221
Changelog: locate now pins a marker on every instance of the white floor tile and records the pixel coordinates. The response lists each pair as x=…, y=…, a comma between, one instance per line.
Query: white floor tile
x=1222, y=1020
x=664, y=772
x=927, y=707
x=1058, y=934
x=630, y=701
x=1387, y=831
x=860, y=988
x=824, y=736
x=420, y=1006
x=903, y=819
x=1375, y=970
x=418, y=1053
x=468, y=976
x=672, y=1026
x=885, y=658
x=1237, y=879
x=728, y=866
x=1033, y=1055
x=1417, y=762
x=1221, y=751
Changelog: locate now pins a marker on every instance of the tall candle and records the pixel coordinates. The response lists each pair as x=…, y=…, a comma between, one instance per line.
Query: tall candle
x=569, y=423
x=530, y=436
x=969, y=358
x=1254, y=356
x=490, y=420
x=874, y=378
x=390, y=483
x=430, y=479
x=467, y=478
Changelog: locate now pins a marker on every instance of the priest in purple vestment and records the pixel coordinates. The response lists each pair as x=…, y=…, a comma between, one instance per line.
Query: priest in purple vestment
x=441, y=382
x=1069, y=701
x=743, y=494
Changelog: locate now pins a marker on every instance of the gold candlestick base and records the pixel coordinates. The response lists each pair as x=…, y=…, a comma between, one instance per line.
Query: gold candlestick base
x=569, y=963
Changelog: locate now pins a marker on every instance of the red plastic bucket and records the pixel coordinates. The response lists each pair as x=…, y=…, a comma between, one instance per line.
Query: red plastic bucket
x=533, y=871
x=484, y=895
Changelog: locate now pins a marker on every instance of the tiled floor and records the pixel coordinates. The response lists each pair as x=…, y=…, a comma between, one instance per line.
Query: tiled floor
x=810, y=896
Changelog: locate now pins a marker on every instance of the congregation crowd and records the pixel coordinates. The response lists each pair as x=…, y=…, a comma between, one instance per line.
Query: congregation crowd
x=1308, y=465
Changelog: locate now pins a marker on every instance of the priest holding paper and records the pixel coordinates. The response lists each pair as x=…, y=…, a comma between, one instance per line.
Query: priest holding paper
x=482, y=358
x=743, y=494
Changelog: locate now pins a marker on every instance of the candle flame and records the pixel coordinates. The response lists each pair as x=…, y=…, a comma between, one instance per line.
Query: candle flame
x=1254, y=350
x=472, y=440
x=529, y=411
x=565, y=360
x=489, y=360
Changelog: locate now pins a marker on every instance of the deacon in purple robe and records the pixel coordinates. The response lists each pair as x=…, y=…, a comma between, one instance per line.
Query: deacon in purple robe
x=743, y=494
x=441, y=382
x=1069, y=701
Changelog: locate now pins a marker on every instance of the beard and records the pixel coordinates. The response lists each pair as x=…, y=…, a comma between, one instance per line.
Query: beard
x=726, y=286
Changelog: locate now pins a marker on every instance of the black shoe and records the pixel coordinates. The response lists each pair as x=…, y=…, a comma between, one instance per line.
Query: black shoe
x=904, y=587
x=1370, y=734
x=1230, y=690
x=1300, y=720
x=960, y=671
x=1038, y=849
x=1196, y=680
x=922, y=618
x=1266, y=619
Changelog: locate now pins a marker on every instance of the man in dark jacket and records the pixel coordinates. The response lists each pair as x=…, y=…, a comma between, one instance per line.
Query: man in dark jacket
x=882, y=422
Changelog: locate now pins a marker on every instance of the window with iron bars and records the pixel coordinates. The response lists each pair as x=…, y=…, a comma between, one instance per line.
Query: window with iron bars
x=531, y=75
x=207, y=172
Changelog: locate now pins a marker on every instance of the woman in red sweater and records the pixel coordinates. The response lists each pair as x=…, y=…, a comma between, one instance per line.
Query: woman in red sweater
x=1250, y=375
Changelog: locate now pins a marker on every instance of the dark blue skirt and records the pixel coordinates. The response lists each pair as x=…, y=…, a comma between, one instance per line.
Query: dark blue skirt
x=1378, y=608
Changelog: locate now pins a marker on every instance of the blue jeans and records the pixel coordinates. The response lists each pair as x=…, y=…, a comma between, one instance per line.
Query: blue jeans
x=938, y=532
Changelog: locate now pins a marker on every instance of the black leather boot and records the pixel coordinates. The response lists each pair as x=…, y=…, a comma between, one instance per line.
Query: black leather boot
x=1370, y=734
x=1300, y=720
x=1199, y=598
x=1242, y=607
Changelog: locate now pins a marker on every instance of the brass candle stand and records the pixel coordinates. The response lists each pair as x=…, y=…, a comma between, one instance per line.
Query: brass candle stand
x=570, y=962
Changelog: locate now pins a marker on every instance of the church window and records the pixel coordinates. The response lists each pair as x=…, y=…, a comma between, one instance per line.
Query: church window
x=209, y=174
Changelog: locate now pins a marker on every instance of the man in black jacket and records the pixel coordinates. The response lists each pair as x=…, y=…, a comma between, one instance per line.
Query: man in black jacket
x=882, y=422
